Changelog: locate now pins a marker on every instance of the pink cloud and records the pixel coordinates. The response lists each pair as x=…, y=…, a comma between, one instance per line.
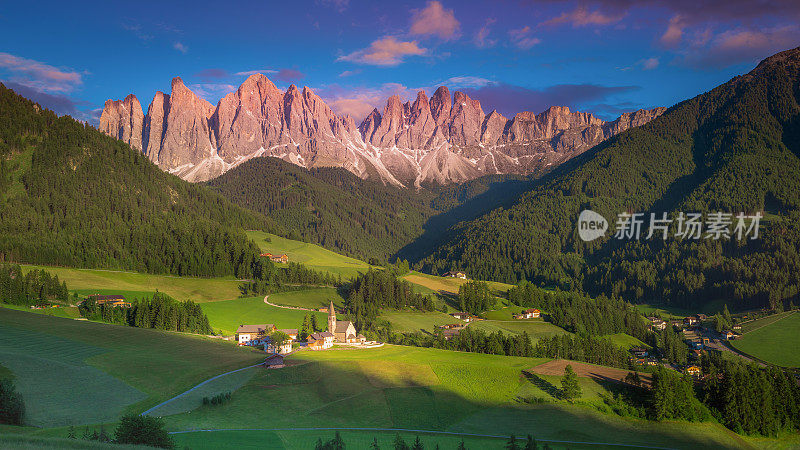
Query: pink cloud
x=521, y=38
x=38, y=75
x=738, y=45
x=674, y=32
x=481, y=38
x=581, y=17
x=180, y=47
x=387, y=51
x=434, y=20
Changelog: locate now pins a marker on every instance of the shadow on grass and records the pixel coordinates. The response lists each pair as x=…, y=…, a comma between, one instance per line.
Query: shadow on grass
x=546, y=386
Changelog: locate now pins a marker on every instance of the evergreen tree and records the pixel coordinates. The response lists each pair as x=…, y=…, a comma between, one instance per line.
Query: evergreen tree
x=570, y=387
x=399, y=443
x=511, y=444
x=530, y=443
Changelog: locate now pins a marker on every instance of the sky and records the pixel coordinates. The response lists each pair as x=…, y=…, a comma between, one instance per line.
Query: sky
x=604, y=57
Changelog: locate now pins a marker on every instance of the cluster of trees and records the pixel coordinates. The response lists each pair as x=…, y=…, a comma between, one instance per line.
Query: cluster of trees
x=750, y=399
x=72, y=196
x=670, y=344
x=723, y=320
x=37, y=287
x=337, y=443
x=268, y=278
x=673, y=397
x=377, y=289
x=580, y=314
x=585, y=348
x=475, y=297
x=702, y=155
x=133, y=429
x=160, y=311
x=468, y=340
x=12, y=407
x=309, y=326
x=218, y=399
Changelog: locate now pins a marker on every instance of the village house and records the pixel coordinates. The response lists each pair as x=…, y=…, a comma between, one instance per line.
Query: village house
x=283, y=259
x=532, y=313
x=466, y=317
x=729, y=335
x=270, y=347
x=737, y=327
x=253, y=334
x=694, y=371
x=320, y=341
x=659, y=324
x=110, y=300
x=456, y=274
x=639, y=352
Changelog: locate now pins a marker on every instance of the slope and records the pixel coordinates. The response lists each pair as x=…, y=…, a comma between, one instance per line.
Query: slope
x=733, y=149
x=69, y=195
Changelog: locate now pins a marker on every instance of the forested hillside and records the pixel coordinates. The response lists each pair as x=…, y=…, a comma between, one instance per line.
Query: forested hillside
x=70, y=195
x=733, y=149
x=336, y=209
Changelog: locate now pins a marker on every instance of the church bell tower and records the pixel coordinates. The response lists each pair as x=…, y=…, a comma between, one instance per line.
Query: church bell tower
x=331, y=318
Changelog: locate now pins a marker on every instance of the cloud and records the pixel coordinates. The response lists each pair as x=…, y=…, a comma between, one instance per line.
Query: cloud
x=349, y=73
x=212, y=92
x=644, y=64
x=387, y=51
x=61, y=104
x=521, y=38
x=739, y=45
x=290, y=75
x=358, y=102
x=338, y=5
x=466, y=82
x=581, y=17
x=674, y=33
x=212, y=74
x=180, y=47
x=137, y=30
x=40, y=76
x=509, y=99
x=434, y=20
x=481, y=39
x=253, y=72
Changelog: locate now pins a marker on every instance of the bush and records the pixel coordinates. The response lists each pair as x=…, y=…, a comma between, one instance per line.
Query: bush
x=217, y=399
x=143, y=430
x=12, y=408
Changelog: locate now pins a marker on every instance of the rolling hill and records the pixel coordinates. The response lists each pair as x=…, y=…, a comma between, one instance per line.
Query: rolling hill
x=734, y=149
x=72, y=196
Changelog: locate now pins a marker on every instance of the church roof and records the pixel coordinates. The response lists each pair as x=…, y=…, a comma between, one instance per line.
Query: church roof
x=343, y=325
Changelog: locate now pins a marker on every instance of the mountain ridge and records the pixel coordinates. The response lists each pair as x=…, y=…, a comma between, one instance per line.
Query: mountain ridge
x=438, y=140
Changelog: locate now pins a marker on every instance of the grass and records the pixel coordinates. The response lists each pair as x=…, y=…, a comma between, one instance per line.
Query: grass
x=412, y=321
x=93, y=371
x=181, y=288
x=228, y=315
x=26, y=442
x=536, y=328
x=625, y=341
x=764, y=321
x=666, y=312
x=775, y=342
x=70, y=312
x=447, y=284
x=308, y=298
x=426, y=389
x=311, y=255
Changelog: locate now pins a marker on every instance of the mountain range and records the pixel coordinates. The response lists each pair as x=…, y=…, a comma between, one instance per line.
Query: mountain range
x=438, y=140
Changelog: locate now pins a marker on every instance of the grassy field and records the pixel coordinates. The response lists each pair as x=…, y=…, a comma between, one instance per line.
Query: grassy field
x=666, y=312
x=311, y=255
x=91, y=281
x=309, y=298
x=69, y=312
x=447, y=391
x=411, y=321
x=774, y=341
x=625, y=341
x=535, y=328
x=447, y=284
x=228, y=315
x=75, y=372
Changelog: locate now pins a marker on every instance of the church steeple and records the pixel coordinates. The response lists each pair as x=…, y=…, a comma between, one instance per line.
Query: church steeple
x=331, y=318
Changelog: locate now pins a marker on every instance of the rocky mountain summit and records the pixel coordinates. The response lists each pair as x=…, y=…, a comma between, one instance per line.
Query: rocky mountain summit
x=441, y=139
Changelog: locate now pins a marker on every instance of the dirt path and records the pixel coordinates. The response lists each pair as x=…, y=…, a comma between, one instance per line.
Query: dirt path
x=297, y=308
x=600, y=373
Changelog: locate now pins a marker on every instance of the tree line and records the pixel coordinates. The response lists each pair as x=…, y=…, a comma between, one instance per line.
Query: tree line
x=268, y=278
x=35, y=288
x=160, y=312
x=377, y=289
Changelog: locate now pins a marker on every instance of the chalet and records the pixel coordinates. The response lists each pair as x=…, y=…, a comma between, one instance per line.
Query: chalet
x=274, y=361
x=638, y=352
x=276, y=258
x=460, y=315
x=729, y=335
x=737, y=327
x=456, y=274
x=320, y=341
x=452, y=326
x=532, y=313
x=291, y=332
x=694, y=371
x=110, y=300
x=691, y=321
x=659, y=324
x=270, y=347
x=253, y=334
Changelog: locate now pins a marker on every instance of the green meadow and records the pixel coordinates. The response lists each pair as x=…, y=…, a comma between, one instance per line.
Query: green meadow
x=413, y=321
x=447, y=284
x=92, y=281
x=535, y=328
x=226, y=316
x=775, y=341
x=312, y=298
x=311, y=255
x=625, y=341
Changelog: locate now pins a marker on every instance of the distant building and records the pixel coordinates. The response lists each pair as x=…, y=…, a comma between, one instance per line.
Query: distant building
x=109, y=300
x=462, y=316
x=276, y=258
x=456, y=274
x=737, y=327
x=291, y=332
x=274, y=361
x=729, y=335
x=694, y=371
x=529, y=314
x=253, y=334
x=320, y=341
x=659, y=324
x=343, y=330
x=690, y=321
x=639, y=352
x=270, y=347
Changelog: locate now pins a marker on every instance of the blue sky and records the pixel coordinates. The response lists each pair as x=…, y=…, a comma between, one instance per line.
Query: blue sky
x=604, y=56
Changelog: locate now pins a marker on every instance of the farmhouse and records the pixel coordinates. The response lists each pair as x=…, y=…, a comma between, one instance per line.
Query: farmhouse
x=271, y=347
x=283, y=259
x=456, y=274
x=639, y=352
x=320, y=341
x=343, y=330
x=291, y=332
x=729, y=335
x=466, y=317
x=253, y=334
x=658, y=324
x=110, y=300
x=694, y=371
x=529, y=314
